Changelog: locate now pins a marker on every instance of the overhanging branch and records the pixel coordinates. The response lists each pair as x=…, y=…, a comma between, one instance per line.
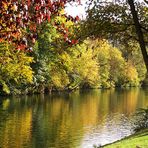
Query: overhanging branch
x=146, y=1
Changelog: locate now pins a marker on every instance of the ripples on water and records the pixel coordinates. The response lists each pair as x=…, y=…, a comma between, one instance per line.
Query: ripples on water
x=77, y=120
x=115, y=127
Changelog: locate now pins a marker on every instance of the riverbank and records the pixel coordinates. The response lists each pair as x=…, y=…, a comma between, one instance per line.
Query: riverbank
x=138, y=140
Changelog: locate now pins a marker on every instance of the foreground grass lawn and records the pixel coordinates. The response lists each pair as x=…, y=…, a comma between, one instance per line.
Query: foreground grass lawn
x=138, y=140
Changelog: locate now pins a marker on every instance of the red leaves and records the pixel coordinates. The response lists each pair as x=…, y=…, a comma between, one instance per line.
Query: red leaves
x=79, y=1
x=18, y=20
x=18, y=15
x=74, y=42
x=48, y=17
x=37, y=1
x=73, y=19
x=37, y=7
x=77, y=18
x=29, y=3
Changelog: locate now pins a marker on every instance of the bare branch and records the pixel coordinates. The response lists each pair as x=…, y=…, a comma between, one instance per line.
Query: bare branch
x=146, y=1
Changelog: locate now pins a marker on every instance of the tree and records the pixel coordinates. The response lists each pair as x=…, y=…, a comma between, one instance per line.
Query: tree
x=114, y=69
x=19, y=20
x=139, y=32
x=119, y=23
x=85, y=68
x=60, y=66
x=132, y=54
x=21, y=24
x=15, y=70
x=52, y=55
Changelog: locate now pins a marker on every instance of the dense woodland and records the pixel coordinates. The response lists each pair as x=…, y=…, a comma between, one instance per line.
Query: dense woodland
x=43, y=50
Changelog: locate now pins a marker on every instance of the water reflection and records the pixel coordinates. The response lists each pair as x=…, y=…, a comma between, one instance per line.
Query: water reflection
x=80, y=119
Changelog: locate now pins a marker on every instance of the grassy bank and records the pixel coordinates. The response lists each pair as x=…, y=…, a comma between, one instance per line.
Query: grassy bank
x=138, y=140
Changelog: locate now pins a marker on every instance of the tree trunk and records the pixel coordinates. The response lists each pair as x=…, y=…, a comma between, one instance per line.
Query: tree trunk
x=139, y=32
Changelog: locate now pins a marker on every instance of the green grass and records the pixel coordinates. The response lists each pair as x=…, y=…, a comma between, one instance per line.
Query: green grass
x=138, y=140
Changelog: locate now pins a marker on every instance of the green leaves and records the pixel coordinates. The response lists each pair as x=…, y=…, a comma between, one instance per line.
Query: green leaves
x=14, y=67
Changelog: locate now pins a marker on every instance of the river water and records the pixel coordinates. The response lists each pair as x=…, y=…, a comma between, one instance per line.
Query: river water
x=77, y=120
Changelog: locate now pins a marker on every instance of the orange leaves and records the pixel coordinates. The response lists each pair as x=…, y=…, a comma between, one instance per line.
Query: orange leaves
x=5, y=5
x=15, y=34
x=33, y=27
x=27, y=14
x=21, y=47
x=1, y=40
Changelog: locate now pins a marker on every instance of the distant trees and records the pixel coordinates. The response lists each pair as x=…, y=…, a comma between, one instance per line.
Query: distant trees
x=114, y=69
x=119, y=22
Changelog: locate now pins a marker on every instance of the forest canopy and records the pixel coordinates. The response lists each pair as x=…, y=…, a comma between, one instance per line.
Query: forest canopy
x=42, y=49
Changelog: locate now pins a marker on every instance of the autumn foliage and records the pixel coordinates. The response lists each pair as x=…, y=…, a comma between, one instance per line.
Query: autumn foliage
x=19, y=20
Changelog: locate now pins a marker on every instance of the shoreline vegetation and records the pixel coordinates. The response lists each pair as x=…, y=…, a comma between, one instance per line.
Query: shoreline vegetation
x=56, y=91
x=91, y=64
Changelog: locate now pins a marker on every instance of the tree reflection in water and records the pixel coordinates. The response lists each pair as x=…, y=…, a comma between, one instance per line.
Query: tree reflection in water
x=79, y=119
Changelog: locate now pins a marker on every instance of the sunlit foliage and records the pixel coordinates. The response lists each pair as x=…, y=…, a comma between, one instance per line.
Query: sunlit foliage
x=14, y=68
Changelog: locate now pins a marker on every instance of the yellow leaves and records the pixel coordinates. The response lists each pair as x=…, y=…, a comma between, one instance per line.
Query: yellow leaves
x=62, y=12
x=1, y=21
x=61, y=19
x=102, y=50
x=14, y=66
x=5, y=88
x=14, y=8
x=5, y=5
x=113, y=68
x=131, y=72
x=85, y=65
x=65, y=58
x=59, y=77
x=19, y=72
x=117, y=62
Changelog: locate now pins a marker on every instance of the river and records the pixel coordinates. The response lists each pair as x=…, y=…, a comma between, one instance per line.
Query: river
x=80, y=119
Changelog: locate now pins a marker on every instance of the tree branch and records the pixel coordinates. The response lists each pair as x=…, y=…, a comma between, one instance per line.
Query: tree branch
x=146, y=1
